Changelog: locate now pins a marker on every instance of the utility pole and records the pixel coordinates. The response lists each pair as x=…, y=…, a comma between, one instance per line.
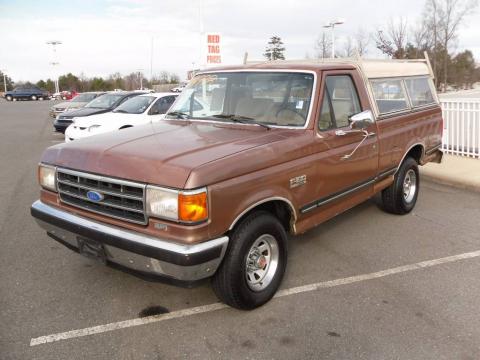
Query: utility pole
x=151, y=60
x=54, y=44
x=331, y=25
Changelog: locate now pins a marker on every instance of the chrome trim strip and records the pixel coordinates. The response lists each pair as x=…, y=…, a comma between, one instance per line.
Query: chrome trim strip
x=134, y=237
x=273, y=198
x=329, y=199
x=406, y=152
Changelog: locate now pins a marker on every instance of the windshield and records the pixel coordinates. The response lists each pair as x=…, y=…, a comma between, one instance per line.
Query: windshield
x=104, y=101
x=270, y=98
x=83, y=98
x=136, y=105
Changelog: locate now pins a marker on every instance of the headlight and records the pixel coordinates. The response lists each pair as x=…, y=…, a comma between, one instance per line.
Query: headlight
x=47, y=177
x=183, y=206
x=93, y=128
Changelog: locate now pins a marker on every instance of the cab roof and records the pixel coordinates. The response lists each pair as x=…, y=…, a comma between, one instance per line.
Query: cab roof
x=371, y=68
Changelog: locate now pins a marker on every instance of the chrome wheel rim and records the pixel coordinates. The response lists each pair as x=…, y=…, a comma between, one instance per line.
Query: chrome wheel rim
x=262, y=262
x=409, y=185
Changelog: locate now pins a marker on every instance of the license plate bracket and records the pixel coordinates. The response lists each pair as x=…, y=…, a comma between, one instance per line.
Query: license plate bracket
x=92, y=249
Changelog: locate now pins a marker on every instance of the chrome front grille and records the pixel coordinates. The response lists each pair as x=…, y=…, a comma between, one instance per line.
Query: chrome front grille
x=121, y=199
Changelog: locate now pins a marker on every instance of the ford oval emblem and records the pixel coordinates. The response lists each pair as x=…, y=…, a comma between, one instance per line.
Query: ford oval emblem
x=95, y=196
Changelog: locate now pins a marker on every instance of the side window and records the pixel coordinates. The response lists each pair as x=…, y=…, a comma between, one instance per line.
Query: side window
x=162, y=105
x=389, y=95
x=340, y=101
x=419, y=91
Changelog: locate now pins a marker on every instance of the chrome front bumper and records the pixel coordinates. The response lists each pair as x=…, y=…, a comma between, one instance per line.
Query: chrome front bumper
x=134, y=251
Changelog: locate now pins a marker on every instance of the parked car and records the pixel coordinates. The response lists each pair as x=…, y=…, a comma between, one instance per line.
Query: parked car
x=68, y=94
x=101, y=104
x=135, y=111
x=27, y=92
x=281, y=148
x=77, y=102
x=179, y=88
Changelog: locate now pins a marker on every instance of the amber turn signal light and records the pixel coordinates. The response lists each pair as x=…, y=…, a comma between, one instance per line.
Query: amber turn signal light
x=192, y=207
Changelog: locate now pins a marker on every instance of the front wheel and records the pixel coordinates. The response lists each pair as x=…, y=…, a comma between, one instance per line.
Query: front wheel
x=254, y=264
x=34, y=97
x=9, y=97
x=401, y=197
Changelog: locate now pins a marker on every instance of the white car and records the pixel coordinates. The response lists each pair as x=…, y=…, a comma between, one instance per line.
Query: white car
x=142, y=109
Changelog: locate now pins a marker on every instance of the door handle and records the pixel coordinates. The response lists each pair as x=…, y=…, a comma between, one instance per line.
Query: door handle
x=366, y=135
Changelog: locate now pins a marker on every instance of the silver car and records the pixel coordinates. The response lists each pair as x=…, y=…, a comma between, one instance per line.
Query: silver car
x=77, y=102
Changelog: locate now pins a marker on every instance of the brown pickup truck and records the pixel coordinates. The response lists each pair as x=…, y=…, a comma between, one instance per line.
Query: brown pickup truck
x=245, y=156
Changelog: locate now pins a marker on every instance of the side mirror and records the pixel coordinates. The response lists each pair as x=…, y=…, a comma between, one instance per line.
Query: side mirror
x=361, y=120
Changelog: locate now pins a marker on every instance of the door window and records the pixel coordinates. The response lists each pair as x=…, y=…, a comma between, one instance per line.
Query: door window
x=162, y=105
x=340, y=101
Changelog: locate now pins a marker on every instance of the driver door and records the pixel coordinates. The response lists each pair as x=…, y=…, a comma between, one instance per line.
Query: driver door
x=346, y=166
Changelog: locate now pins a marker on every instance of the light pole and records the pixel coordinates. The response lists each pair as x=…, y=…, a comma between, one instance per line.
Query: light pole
x=331, y=25
x=140, y=74
x=54, y=44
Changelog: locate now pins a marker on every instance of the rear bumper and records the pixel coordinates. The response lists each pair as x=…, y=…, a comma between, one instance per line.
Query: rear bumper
x=134, y=251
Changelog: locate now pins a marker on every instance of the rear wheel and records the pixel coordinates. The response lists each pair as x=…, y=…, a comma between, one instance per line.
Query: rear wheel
x=401, y=197
x=34, y=97
x=254, y=264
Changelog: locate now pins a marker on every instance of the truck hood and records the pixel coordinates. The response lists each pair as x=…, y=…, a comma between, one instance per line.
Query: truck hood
x=162, y=153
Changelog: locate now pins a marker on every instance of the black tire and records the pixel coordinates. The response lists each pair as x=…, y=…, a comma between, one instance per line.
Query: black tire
x=34, y=97
x=9, y=97
x=393, y=198
x=230, y=281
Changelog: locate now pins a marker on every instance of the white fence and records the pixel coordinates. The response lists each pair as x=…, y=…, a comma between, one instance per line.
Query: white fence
x=461, y=127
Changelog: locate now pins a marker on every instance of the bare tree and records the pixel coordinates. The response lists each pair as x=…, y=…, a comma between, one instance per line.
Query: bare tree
x=349, y=49
x=452, y=13
x=362, y=40
x=323, y=46
x=393, y=40
x=422, y=39
x=443, y=19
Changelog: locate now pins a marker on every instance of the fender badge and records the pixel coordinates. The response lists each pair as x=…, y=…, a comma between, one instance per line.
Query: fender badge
x=298, y=181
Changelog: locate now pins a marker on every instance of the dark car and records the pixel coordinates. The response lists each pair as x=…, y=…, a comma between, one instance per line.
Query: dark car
x=27, y=92
x=102, y=104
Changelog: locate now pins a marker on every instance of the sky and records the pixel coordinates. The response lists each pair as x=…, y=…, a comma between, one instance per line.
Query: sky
x=103, y=37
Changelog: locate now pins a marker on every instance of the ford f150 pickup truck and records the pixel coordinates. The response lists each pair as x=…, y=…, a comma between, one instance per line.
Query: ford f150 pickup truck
x=245, y=156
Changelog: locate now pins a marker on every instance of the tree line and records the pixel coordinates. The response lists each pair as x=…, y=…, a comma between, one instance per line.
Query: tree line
x=82, y=83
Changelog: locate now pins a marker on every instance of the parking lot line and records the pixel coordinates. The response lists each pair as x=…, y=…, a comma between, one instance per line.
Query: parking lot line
x=217, y=306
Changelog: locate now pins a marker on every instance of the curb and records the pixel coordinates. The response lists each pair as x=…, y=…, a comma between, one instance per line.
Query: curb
x=451, y=181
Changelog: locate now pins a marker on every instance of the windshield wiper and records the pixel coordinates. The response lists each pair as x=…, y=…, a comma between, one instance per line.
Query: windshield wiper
x=179, y=114
x=241, y=119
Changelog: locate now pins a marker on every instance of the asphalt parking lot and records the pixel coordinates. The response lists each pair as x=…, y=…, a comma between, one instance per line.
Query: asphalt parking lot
x=365, y=285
